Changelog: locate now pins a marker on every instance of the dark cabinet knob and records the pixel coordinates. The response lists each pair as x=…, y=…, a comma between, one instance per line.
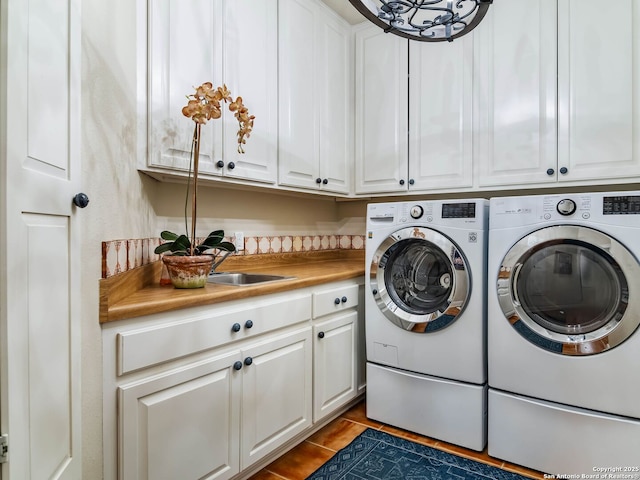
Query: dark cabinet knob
x=318, y=180
x=81, y=200
x=550, y=171
x=219, y=164
x=231, y=166
x=401, y=182
x=337, y=301
x=374, y=291
x=411, y=181
x=564, y=170
x=248, y=324
x=325, y=181
x=343, y=299
x=321, y=335
x=236, y=327
x=248, y=361
x=237, y=365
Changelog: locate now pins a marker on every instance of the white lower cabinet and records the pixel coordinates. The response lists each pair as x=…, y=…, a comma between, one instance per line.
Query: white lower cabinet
x=334, y=363
x=182, y=424
x=276, y=393
x=208, y=392
x=337, y=370
x=218, y=416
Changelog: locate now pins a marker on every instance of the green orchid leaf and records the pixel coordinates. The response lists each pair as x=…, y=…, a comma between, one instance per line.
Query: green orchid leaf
x=167, y=235
x=216, y=233
x=181, y=243
x=212, y=242
x=228, y=246
x=165, y=247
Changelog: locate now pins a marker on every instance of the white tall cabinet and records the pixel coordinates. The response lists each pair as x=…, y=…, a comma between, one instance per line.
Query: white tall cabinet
x=315, y=96
x=557, y=96
x=232, y=42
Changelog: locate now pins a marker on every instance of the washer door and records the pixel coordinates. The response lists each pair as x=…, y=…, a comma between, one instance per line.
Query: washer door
x=566, y=289
x=420, y=280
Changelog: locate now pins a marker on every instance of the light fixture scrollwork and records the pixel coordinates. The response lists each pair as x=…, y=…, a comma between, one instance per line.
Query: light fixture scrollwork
x=425, y=20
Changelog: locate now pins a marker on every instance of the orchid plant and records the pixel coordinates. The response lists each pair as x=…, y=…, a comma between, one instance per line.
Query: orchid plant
x=203, y=105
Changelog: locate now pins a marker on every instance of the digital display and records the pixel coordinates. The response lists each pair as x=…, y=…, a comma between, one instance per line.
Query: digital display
x=459, y=210
x=622, y=205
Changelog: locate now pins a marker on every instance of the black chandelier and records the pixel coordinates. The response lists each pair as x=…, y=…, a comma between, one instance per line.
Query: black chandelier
x=425, y=20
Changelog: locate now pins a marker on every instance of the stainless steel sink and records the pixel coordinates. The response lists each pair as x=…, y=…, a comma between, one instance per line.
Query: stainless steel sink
x=240, y=278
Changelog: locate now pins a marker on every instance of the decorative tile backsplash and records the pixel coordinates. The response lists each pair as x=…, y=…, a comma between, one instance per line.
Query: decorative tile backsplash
x=118, y=256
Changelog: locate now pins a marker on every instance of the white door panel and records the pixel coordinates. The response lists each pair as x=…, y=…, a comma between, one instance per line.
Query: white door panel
x=39, y=319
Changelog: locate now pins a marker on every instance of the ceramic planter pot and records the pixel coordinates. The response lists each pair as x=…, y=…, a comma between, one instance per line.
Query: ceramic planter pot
x=188, y=271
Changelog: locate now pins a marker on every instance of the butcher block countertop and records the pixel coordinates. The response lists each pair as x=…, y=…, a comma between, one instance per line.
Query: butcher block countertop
x=138, y=292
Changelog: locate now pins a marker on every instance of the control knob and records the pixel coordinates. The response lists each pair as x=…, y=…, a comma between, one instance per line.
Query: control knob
x=416, y=211
x=566, y=207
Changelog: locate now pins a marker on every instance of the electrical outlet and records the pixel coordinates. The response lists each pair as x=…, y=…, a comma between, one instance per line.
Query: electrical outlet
x=239, y=241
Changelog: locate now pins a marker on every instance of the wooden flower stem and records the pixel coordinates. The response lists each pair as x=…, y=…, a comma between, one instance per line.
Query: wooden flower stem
x=194, y=193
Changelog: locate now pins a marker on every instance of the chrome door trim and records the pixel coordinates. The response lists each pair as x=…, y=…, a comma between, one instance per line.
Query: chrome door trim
x=621, y=323
x=460, y=282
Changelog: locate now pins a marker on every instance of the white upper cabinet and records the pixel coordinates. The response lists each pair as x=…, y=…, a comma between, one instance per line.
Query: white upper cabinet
x=315, y=86
x=414, y=114
x=222, y=41
x=440, y=114
x=381, y=117
x=556, y=93
x=599, y=90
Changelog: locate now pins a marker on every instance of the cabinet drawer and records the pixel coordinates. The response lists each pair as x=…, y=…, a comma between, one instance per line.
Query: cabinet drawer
x=207, y=329
x=334, y=300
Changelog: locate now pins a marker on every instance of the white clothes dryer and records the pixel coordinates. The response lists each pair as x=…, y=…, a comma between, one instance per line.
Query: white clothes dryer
x=426, y=318
x=563, y=337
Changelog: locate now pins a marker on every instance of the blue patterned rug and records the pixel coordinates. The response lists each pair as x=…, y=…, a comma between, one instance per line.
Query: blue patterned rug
x=375, y=455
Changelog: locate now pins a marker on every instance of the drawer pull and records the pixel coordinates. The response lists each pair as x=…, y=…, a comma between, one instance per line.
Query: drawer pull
x=337, y=301
x=236, y=327
x=248, y=324
x=344, y=299
x=248, y=361
x=321, y=335
x=237, y=365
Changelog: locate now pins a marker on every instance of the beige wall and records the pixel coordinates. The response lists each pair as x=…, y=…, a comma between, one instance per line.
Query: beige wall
x=253, y=212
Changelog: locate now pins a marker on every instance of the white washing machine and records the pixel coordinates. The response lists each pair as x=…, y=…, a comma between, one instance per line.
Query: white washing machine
x=563, y=337
x=426, y=318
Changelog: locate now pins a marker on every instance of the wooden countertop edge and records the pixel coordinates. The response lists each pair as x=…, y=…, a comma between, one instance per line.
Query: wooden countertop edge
x=137, y=292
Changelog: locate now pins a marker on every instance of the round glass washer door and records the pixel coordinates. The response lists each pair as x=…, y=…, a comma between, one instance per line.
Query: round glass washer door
x=420, y=280
x=566, y=289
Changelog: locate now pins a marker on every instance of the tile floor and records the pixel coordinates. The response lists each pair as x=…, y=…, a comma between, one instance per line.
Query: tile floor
x=305, y=458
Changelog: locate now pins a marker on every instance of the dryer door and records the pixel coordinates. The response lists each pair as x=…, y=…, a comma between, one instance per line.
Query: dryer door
x=566, y=289
x=420, y=279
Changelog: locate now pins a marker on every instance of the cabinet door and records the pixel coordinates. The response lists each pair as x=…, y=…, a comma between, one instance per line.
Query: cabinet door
x=361, y=370
x=276, y=400
x=599, y=81
x=440, y=114
x=381, y=99
x=182, y=424
x=250, y=71
x=185, y=50
x=516, y=92
x=334, y=363
x=335, y=105
x=298, y=122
